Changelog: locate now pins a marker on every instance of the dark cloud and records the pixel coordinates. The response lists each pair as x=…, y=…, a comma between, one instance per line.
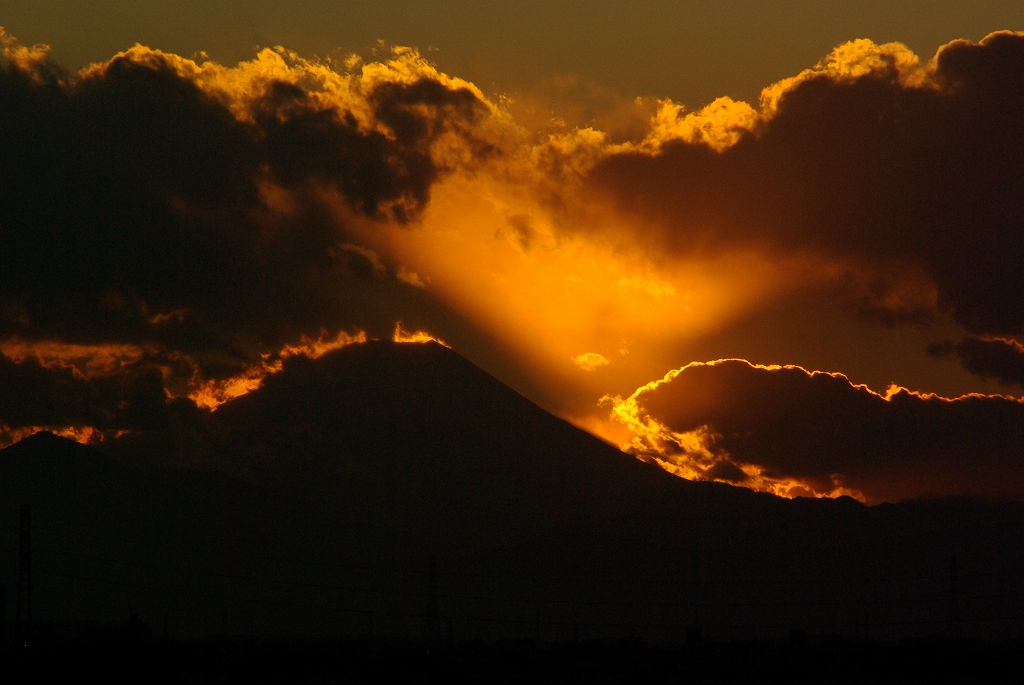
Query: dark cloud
x=142, y=206
x=404, y=108
x=32, y=394
x=995, y=358
x=876, y=161
x=824, y=431
x=304, y=143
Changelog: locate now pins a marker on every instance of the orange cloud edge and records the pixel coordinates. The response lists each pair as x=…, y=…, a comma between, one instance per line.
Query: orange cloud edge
x=626, y=412
x=697, y=463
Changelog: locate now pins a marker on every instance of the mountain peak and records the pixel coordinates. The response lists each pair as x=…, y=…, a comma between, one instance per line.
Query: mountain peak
x=45, y=447
x=43, y=440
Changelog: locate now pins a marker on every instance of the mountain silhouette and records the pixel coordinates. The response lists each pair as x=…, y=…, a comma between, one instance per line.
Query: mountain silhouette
x=416, y=437
x=397, y=489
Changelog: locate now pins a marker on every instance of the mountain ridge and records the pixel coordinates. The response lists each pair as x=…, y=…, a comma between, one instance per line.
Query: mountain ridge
x=329, y=498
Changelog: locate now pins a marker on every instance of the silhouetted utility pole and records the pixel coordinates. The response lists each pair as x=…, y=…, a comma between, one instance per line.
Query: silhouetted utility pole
x=432, y=629
x=23, y=611
x=955, y=627
x=693, y=635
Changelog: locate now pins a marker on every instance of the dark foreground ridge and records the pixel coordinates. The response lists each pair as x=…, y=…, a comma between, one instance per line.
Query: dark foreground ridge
x=391, y=492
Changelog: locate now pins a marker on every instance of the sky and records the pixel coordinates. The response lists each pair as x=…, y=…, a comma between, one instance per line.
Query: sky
x=773, y=246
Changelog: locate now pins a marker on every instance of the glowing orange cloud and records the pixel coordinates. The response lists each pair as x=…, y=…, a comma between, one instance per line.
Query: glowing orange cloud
x=549, y=272
x=588, y=361
x=521, y=235
x=789, y=431
x=86, y=360
x=24, y=57
x=687, y=453
x=509, y=241
x=342, y=88
x=87, y=435
x=560, y=301
x=210, y=394
x=402, y=336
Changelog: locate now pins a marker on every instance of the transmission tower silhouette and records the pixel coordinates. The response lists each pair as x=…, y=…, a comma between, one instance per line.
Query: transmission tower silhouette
x=955, y=625
x=432, y=629
x=23, y=610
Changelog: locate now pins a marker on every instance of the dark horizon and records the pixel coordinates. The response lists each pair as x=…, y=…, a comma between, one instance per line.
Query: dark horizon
x=417, y=465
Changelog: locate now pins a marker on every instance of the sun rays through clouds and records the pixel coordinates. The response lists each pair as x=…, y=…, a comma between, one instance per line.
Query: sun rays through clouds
x=175, y=229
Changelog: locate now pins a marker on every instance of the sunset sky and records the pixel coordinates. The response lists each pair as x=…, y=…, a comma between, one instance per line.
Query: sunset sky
x=774, y=246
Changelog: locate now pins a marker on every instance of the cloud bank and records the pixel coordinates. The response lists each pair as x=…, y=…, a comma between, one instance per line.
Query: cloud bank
x=173, y=229
x=788, y=430
x=906, y=172
x=996, y=358
x=198, y=213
